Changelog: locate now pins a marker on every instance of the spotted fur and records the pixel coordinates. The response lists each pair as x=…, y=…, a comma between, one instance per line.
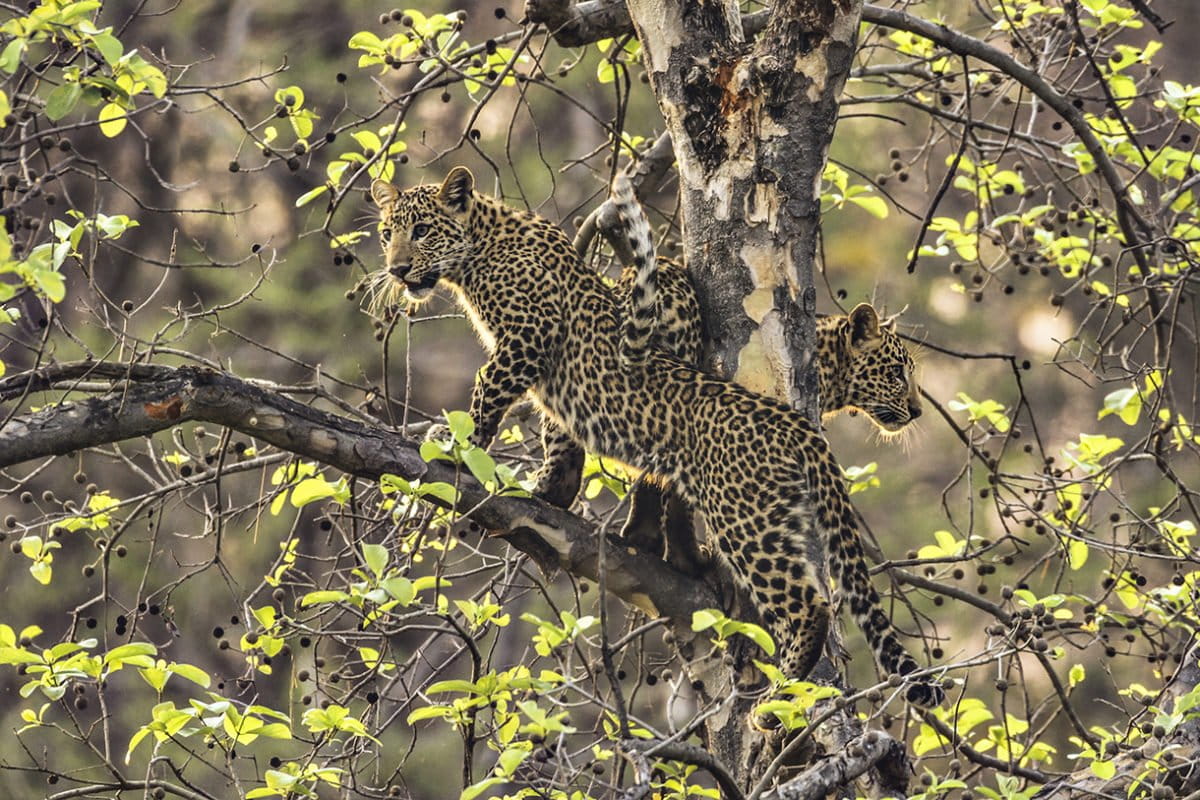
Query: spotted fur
x=755, y=468
x=862, y=364
x=639, y=320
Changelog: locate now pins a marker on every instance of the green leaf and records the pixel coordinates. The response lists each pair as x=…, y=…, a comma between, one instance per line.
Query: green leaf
x=155, y=676
x=441, y=490
x=136, y=739
x=275, y=730
x=51, y=283
x=310, y=195
x=429, y=712
x=41, y=572
x=60, y=101
x=112, y=120
x=310, y=490
x=512, y=757
x=375, y=556
x=481, y=465
x=705, y=619
x=756, y=634
x=875, y=206
x=10, y=59
x=1076, y=675
x=109, y=47
x=400, y=588
x=476, y=789
x=1125, y=403
x=294, y=94
x=365, y=40
x=461, y=425
x=367, y=140
x=430, y=582
x=133, y=654
x=326, y=596
x=192, y=673
x=1077, y=553
x=1104, y=770
x=431, y=450
x=452, y=686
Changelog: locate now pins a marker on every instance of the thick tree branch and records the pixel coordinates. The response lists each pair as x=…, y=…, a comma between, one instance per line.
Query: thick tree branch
x=840, y=769
x=578, y=24
x=147, y=399
x=690, y=754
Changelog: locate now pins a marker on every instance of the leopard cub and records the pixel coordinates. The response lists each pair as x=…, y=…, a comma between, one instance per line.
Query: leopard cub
x=755, y=468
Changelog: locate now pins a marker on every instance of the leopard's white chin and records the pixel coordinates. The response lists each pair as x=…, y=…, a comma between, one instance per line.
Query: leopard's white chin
x=417, y=294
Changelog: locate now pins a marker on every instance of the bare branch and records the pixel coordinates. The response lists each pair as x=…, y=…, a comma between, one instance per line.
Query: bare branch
x=840, y=769
x=152, y=399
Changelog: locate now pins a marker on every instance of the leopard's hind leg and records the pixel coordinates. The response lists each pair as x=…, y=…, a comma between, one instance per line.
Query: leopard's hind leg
x=767, y=557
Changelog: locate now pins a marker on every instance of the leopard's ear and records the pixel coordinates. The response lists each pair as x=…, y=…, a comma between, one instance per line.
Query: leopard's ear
x=864, y=326
x=383, y=193
x=456, y=190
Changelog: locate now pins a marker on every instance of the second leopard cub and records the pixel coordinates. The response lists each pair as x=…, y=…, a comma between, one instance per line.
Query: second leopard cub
x=862, y=365
x=752, y=466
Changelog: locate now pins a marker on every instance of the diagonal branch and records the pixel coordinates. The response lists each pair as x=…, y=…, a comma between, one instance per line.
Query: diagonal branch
x=690, y=754
x=145, y=399
x=840, y=769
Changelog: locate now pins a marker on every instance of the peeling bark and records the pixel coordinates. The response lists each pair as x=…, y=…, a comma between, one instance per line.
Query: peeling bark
x=751, y=120
x=751, y=125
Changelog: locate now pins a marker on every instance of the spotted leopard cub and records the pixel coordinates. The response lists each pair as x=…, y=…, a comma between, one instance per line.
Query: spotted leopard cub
x=862, y=363
x=754, y=467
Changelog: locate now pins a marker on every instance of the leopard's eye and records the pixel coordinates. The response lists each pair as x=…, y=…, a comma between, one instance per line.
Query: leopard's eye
x=385, y=235
x=898, y=372
x=419, y=231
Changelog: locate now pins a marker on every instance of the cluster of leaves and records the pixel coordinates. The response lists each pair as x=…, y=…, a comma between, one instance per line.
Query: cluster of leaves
x=63, y=34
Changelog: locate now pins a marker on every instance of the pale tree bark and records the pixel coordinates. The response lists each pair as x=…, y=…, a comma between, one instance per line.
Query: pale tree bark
x=750, y=107
x=751, y=124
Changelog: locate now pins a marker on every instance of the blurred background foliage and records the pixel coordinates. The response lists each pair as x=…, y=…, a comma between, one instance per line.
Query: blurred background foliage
x=253, y=284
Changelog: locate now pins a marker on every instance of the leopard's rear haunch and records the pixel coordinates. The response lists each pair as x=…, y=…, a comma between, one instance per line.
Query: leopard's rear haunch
x=754, y=467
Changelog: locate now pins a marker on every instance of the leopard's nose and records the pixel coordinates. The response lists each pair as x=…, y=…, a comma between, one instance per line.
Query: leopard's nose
x=914, y=410
x=399, y=270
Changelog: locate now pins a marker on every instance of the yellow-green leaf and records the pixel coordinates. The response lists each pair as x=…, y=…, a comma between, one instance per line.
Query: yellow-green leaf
x=1077, y=553
x=112, y=120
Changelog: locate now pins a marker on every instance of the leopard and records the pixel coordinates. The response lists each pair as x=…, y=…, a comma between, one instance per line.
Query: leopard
x=756, y=469
x=862, y=364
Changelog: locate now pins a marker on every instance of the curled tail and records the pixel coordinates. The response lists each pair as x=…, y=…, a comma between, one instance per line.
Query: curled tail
x=639, y=323
x=848, y=565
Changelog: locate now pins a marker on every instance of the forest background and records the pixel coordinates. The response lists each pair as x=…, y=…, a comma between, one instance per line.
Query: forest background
x=233, y=262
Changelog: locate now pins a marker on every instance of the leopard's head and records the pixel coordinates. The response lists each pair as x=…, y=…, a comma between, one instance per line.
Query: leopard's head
x=880, y=377
x=425, y=234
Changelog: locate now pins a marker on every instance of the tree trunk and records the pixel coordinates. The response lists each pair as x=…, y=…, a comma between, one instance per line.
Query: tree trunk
x=751, y=124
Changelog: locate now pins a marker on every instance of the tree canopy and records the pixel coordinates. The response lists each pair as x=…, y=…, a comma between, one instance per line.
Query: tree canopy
x=233, y=569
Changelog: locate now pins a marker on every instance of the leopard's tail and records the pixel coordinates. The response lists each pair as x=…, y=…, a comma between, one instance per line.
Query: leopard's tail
x=848, y=566
x=640, y=319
